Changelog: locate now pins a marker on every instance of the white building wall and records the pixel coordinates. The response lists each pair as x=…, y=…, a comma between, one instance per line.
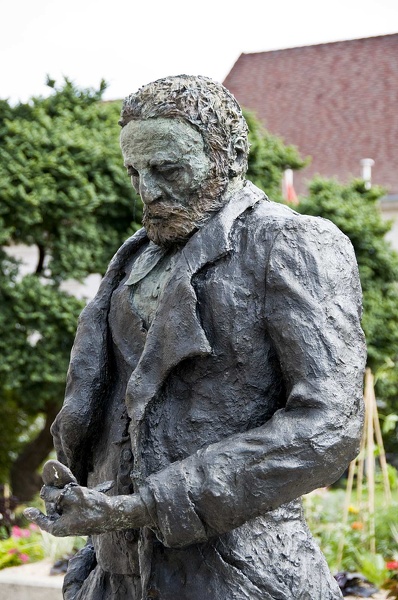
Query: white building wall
x=389, y=210
x=28, y=257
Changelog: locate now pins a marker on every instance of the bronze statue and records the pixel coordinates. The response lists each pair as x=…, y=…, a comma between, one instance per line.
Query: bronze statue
x=215, y=378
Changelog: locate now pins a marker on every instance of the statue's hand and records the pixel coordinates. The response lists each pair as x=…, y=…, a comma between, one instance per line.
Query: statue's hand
x=76, y=510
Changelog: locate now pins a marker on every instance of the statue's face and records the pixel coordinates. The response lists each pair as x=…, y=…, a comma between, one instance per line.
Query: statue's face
x=169, y=169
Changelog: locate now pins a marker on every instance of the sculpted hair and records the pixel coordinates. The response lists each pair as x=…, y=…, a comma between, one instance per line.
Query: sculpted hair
x=206, y=105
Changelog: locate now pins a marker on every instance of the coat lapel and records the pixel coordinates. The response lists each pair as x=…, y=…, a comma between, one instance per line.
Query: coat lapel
x=176, y=333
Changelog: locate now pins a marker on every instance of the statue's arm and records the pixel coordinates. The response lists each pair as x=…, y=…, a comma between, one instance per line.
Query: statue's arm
x=313, y=309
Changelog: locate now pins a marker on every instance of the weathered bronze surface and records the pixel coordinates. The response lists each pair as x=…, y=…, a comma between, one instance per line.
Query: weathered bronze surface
x=215, y=378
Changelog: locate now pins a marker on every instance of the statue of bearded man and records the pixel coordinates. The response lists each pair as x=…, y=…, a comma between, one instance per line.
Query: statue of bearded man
x=215, y=378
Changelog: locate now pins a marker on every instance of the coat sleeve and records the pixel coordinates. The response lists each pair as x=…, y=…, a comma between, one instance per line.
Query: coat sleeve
x=312, y=307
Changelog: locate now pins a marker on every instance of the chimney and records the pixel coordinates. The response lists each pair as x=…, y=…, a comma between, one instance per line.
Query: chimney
x=366, y=171
x=288, y=191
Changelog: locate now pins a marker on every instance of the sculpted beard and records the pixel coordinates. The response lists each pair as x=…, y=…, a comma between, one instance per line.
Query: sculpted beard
x=168, y=222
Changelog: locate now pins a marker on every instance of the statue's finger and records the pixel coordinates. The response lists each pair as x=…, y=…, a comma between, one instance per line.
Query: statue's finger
x=37, y=517
x=56, y=474
x=50, y=494
x=51, y=509
x=104, y=486
x=62, y=527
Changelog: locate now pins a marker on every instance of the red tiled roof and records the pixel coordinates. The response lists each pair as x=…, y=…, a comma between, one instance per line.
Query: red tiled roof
x=337, y=102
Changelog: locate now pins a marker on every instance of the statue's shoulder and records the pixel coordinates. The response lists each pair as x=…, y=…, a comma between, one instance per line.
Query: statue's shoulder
x=275, y=218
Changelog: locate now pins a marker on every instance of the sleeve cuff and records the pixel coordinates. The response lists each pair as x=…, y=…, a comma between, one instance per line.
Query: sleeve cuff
x=172, y=512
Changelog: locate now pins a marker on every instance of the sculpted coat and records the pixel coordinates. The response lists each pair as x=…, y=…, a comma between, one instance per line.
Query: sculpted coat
x=244, y=394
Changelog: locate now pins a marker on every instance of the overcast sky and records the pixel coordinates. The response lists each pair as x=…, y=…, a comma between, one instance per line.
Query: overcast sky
x=130, y=42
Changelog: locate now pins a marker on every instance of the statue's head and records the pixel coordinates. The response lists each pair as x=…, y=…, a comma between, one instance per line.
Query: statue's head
x=206, y=105
x=196, y=129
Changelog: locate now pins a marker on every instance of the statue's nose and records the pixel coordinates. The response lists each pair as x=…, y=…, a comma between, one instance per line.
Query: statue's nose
x=149, y=189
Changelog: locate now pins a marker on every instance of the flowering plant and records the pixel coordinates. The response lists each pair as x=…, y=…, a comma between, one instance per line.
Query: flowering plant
x=24, y=545
x=392, y=582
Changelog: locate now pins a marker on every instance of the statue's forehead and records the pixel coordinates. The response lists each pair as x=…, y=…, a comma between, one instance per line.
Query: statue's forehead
x=160, y=135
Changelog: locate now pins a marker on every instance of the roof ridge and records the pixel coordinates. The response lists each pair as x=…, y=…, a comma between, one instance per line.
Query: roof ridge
x=367, y=38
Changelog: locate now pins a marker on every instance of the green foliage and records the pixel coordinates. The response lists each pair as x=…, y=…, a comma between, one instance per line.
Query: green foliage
x=30, y=308
x=373, y=566
x=64, y=191
x=324, y=513
x=24, y=545
x=268, y=158
x=354, y=209
x=63, y=186
x=390, y=423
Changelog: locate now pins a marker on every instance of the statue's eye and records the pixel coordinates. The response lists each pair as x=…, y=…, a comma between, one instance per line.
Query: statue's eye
x=169, y=173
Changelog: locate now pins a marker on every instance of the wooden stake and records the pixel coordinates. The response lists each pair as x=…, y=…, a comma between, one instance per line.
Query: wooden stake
x=370, y=458
x=365, y=463
x=382, y=454
x=361, y=463
x=347, y=502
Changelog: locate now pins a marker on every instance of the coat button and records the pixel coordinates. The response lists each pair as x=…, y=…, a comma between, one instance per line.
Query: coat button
x=127, y=454
x=125, y=489
x=129, y=535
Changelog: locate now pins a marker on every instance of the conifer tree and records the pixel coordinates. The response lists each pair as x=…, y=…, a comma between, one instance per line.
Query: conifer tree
x=65, y=193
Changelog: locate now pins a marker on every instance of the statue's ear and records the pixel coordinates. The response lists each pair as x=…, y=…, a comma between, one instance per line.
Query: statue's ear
x=238, y=157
